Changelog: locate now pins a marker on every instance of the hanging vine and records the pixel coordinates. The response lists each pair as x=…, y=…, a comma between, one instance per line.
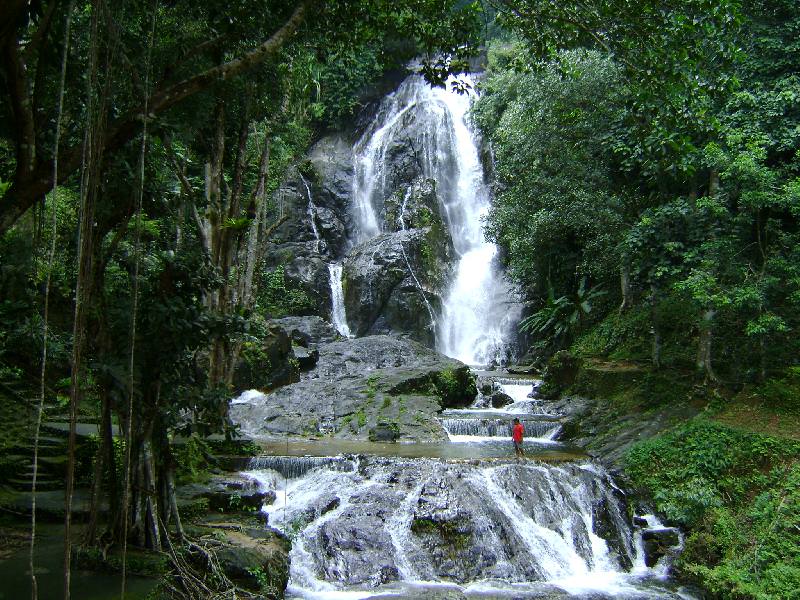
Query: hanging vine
x=45, y=314
x=134, y=312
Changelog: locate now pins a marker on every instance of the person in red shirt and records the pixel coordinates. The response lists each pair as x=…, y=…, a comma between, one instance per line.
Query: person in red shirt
x=517, y=432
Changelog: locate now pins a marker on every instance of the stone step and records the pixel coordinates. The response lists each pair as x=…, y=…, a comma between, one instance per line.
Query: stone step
x=60, y=428
x=43, y=484
x=45, y=449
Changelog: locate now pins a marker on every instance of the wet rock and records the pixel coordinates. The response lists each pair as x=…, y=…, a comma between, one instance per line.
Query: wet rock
x=658, y=543
x=257, y=560
x=640, y=521
x=611, y=523
x=500, y=399
x=485, y=385
x=306, y=357
x=308, y=330
x=268, y=363
x=359, y=383
x=384, y=432
x=356, y=552
x=227, y=494
x=390, y=284
x=522, y=369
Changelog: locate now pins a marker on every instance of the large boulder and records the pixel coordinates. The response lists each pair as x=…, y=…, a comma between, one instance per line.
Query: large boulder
x=393, y=283
x=389, y=386
x=308, y=331
x=256, y=559
x=266, y=363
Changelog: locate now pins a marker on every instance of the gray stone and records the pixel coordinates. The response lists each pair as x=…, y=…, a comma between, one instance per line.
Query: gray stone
x=268, y=366
x=358, y=384
x=308, y=330
x=306, y=357
x=658, y=543
x=500, y=399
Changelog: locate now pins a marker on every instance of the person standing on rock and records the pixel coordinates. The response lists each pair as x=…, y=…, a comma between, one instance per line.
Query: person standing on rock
x=517, y=431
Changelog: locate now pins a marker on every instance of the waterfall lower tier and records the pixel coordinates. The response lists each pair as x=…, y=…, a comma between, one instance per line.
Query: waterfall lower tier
x=338, y=314
x=394, y=524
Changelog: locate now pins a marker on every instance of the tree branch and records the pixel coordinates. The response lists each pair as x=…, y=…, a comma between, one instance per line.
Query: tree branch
x=24, y=192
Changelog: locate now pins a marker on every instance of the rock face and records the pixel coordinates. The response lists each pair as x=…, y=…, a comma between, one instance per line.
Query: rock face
x=316, y=197
x=659, y=542
x=395, y=281
x=377, y=385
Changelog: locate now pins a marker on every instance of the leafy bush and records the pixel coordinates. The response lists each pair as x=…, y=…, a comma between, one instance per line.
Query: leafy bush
x=278, y=297
x=739, y=495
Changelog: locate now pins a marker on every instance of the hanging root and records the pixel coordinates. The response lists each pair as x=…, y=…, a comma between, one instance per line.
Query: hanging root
x=196, y=573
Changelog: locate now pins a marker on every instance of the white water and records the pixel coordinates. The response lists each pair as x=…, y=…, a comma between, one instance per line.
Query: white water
x=311, y=211
x=477, y=315
x=534, y=533
x=338, y=314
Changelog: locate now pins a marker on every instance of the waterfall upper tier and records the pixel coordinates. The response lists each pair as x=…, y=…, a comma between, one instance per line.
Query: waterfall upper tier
x=400, y=210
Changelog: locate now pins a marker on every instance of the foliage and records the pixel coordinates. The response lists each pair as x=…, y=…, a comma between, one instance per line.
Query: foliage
x=277, y=298
x=739, y=494
x=556, y=213
x=192, y=459
x=454, y=386
x=563, y=315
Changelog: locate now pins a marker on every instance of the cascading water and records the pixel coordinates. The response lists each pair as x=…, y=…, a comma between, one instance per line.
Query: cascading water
x=476, y=320
x=338, y=314
x=406, y=526
x=456, y=518
x=312, y=215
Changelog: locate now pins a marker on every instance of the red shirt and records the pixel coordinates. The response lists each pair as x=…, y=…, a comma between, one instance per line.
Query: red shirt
x=516, y=433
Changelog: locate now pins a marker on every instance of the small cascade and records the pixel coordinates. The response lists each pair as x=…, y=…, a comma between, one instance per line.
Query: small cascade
x=338, y=314
x=407, y=525
x=490, y=428
x=312, y=216
x=292, y=467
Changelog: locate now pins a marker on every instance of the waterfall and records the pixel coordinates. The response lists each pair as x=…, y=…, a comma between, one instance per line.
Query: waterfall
x=476, y=323
x=338, y=314
x=312, y=215
x=397, y=524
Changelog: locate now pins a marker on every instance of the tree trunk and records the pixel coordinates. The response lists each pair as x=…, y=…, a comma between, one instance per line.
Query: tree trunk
x=655, y=330
x=625, y=284
x=704, y=345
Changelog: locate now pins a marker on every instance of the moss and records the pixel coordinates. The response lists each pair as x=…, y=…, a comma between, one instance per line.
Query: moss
x=372, y=386
x=448, y=532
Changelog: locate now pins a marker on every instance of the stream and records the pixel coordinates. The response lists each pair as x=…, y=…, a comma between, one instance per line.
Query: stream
x=461, y=517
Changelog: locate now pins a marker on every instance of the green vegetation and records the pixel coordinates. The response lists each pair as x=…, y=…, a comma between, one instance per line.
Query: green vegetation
x=739, y=494
x=667, y=225
x=647, y=163
x=277, y=298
